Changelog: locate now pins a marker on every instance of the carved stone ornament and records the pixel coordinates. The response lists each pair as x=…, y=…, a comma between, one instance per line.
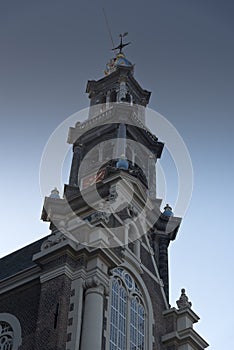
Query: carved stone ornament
x=52, y=240
x=183, y=302
x=98, y=217
x=97, y=284
x=112, y=194
x=92, y=282
x=132, y=211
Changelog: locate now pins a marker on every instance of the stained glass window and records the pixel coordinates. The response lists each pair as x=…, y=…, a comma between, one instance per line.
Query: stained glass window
x=127, y=314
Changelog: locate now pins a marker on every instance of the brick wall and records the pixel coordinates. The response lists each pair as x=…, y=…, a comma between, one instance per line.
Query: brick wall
x=23, y=303
x=53, y=314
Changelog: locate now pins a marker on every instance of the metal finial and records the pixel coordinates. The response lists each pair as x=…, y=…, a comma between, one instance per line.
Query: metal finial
x=121, y=45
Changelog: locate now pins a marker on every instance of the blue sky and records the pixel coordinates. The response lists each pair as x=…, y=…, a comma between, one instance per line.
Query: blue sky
x=184, y=54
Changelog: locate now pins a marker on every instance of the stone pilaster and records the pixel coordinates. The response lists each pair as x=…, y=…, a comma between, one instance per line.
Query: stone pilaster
x=75, y=314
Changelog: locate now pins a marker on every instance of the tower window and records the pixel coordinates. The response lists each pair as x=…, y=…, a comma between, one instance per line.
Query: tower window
x=127, y=313
x=113, y=96
x=103, y=99
x=128, y=98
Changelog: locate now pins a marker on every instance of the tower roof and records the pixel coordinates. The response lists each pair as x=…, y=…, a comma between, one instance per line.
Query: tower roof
x=119, y=61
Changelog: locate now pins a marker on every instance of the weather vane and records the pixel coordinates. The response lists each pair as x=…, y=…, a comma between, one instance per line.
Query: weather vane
x=121, y=45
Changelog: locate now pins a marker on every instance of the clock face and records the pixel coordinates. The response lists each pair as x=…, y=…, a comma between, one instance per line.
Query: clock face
x=92, y=179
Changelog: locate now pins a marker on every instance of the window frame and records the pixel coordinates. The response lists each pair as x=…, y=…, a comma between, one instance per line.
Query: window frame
x=142, y=294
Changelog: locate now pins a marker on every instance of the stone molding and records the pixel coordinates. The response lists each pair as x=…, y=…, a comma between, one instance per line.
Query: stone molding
x=130, y=257
x=62, y=270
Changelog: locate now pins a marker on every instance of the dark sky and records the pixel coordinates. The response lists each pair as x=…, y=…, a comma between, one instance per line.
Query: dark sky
x=184, y=54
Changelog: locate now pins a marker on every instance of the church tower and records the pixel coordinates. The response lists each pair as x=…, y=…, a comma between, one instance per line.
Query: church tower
x=100, y=280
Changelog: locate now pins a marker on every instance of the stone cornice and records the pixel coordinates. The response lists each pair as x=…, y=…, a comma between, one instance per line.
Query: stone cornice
x=62, y=270
x=54, y=252
x=114, y=77
x=187, y=336
x=188, y=312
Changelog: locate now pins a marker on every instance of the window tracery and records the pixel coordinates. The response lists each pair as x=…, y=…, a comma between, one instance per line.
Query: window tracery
x=6, y=336
x=127, y=313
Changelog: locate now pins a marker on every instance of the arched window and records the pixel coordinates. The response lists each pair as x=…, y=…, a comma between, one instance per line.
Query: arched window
x=127, y=313
x=6, y=336
x=10, y=332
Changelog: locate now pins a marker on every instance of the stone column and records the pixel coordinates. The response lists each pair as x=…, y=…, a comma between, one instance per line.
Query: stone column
x=92, y=329
x=77, y=154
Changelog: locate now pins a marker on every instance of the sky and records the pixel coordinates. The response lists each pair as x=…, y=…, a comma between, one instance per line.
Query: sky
x=183, y=52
